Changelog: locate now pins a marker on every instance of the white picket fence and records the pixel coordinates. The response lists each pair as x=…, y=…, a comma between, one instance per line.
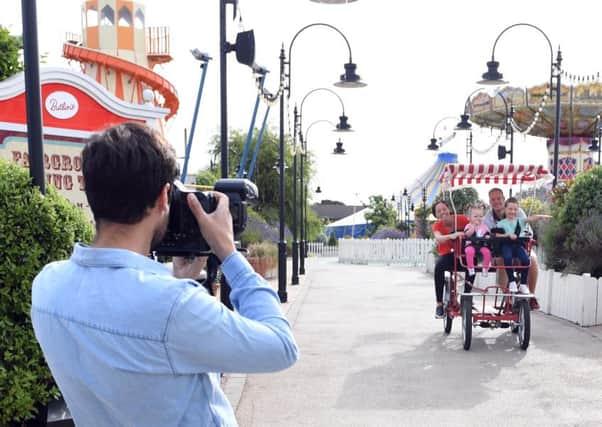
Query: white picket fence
x=411, y=252
x=321, y=250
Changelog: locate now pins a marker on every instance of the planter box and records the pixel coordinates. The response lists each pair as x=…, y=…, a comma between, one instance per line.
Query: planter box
x=262, y=266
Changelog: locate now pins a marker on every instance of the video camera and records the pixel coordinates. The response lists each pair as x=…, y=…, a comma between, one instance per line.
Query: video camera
x=183, y=236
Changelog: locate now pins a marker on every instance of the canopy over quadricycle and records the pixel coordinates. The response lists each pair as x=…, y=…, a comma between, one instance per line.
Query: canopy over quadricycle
x=490, y=306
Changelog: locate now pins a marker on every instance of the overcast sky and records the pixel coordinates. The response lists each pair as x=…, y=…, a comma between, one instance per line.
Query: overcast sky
x=420, y=62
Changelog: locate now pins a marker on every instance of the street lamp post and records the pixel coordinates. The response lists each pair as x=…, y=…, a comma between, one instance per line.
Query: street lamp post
x=494, y=77
x=424, y=211
x=501, y=149
x=406, y=198
x=33, y=102
x=304, y=139
x=348, y=79
x=595, y=145
x=299, y=252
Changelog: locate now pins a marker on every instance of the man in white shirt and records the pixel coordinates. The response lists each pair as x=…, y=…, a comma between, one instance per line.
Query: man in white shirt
x=497, y=213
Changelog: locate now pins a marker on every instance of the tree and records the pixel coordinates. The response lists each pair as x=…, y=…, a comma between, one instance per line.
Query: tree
x=380, y=213
x=266, y=176
x=207, y=177
x=10, y=47
x=463, y=198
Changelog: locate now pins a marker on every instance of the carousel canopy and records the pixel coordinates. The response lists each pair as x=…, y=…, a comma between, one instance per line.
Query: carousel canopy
x=457, y=175
x=535, y=112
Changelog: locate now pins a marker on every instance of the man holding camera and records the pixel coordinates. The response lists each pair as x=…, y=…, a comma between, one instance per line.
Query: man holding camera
x=126, y=341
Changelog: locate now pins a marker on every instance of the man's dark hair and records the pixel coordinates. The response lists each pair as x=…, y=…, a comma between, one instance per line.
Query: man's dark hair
x=125, y=167
x=433, y=208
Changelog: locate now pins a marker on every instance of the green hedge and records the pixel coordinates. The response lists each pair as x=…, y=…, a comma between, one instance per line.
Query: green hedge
x=34, y=229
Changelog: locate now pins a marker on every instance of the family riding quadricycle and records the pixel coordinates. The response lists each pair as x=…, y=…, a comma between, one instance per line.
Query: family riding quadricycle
x=491, y=306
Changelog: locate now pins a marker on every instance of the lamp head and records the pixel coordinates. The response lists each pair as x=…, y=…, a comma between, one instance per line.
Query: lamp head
x=492, y=76
x=342, y=125
x=464, y=124
x=339, y=148
x=405, y=192
x=433, y=145
x=350, y=78
x=393, y=198
x=594, y=146
x=318, y=190
x=502, y=151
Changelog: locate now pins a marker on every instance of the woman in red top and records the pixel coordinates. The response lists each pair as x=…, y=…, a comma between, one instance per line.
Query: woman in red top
x=447, y=228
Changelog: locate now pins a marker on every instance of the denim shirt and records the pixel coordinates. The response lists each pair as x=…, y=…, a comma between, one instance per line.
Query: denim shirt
x=130, y=345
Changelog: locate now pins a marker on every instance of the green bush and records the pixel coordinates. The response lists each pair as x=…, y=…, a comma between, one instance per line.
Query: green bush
x=576, y=210
x=35, y=230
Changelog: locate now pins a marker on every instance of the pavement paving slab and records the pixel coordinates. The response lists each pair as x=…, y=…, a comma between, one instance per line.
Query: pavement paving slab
x=372, y=354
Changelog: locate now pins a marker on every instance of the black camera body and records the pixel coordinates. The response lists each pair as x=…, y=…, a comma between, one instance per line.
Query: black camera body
x=183, y=236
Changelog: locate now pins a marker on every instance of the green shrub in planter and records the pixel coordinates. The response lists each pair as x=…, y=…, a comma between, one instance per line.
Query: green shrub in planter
x=571, y=238
x=35, y=229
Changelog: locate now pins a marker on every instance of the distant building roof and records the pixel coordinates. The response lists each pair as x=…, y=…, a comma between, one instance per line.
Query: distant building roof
x=334, y=212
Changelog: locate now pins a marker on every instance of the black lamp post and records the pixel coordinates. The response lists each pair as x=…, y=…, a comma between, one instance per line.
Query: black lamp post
x=299, y=253
x=501, y=149
x=406, y=197
x=424, y=211
x=595, y=145
x=33, y=96
x=348, y=79
x=245, y=54
x=494, y=77
x=304, y=140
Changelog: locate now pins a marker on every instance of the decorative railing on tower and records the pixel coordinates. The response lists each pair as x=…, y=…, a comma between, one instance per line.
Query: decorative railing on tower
x=157, y=45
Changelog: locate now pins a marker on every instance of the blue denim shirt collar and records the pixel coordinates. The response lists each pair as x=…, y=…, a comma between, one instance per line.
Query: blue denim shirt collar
x=114, y=258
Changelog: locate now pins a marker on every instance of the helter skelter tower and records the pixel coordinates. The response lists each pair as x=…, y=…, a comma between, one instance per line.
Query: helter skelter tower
x=118, y=51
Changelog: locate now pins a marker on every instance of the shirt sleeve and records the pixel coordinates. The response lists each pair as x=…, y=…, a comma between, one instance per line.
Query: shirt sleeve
x=488, y=219
x=204, y=336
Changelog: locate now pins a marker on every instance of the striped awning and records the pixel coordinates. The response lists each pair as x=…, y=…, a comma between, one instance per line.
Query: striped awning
x=456, y=175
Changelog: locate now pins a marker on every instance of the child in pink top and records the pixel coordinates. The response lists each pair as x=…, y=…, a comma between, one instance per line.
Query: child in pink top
x=476, y=229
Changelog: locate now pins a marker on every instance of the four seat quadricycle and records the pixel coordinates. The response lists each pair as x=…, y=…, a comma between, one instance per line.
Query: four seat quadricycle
x=488, y=306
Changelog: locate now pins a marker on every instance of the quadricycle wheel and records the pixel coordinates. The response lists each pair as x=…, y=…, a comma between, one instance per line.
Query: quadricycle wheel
x=447, y=318
x=466, y=303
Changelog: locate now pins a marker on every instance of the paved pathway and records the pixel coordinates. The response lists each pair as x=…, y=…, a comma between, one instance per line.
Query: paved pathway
x=372, y=354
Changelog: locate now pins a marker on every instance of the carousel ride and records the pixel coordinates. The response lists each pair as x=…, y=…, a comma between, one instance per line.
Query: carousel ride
x=533, y=113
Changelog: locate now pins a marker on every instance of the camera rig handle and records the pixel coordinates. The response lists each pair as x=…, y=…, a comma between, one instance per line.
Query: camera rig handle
x=214, y=275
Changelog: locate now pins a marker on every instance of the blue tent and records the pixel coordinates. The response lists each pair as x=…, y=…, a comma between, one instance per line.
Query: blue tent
x=354, y=225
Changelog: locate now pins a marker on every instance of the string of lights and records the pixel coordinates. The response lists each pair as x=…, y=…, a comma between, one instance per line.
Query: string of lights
x=534, y=120
x=581, y=78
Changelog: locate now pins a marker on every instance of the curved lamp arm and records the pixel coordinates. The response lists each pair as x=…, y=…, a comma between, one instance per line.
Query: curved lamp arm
x=290, y=47
x=439, y=122
x=318, y=89
x=552, y=64
x=468, y=99
x=304, y=140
